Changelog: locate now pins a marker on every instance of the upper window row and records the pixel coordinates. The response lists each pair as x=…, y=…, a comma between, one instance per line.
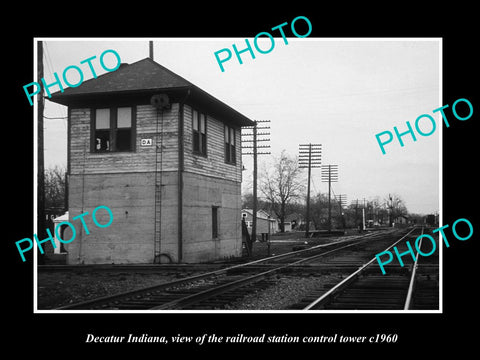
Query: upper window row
x=113, y=130
x=199, y=143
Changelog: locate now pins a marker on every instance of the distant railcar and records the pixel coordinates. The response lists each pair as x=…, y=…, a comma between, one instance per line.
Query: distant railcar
x=430, y=220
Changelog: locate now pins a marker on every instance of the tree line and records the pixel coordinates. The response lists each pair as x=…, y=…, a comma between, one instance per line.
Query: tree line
x=283, y=193
x=282, y=190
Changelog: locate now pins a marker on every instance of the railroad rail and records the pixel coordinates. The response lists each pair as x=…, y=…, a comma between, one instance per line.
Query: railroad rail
x=204, y=290
x=412, y=287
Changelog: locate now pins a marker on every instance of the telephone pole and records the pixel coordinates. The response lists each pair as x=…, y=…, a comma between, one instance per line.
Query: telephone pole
x=253, y=135
x=342, y=201
x=40, y=156
x=309, y=157
x=329, y=174
x=357, y=225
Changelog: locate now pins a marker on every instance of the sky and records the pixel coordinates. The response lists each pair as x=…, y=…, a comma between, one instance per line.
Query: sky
x=336, y=92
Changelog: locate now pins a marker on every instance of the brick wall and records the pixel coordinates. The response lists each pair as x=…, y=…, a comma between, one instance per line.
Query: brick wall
x=130, y=237
x=201, y=193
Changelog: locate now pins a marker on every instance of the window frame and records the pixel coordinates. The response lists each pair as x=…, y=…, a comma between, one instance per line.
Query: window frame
x=230, y=150
x=113, y=129
x=215, y=232
x=197, y=133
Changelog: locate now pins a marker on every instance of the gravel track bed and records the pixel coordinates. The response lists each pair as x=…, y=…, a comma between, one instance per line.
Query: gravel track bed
x=57, y=289
x=60, y=288
x=286, y=292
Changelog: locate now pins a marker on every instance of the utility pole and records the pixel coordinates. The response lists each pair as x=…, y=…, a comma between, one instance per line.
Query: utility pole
x=252, y=137
x=40, y=156
x=364, y=220
x=309, y=157
x=390, y=208
x=329, y=174
x=342, y=201
x=355, y=202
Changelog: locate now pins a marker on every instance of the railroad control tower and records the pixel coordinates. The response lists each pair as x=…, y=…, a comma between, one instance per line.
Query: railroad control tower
x=164, y=156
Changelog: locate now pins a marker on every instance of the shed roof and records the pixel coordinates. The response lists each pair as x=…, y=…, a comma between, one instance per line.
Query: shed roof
x=61, y=218
x=261, y=214
x=146, y=77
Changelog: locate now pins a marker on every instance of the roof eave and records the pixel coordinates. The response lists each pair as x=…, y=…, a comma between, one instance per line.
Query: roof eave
x=235, y=115
x=198, y=96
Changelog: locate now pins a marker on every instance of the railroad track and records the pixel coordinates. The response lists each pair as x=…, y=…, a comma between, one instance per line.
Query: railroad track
x=415, y=286
x=215, y=289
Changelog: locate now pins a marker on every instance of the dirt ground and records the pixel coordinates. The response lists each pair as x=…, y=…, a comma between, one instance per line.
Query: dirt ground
x=61, y=288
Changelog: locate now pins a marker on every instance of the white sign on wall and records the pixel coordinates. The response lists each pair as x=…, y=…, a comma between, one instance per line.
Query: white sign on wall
x=146, y=142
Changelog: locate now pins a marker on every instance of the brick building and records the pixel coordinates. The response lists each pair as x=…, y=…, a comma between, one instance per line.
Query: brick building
x=164, y=156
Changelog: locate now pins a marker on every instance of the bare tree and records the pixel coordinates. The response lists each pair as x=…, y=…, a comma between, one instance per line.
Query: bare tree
x=281, y=184
x=396, y=207
x=247, y=202
x=319, y=210
x=55, y=188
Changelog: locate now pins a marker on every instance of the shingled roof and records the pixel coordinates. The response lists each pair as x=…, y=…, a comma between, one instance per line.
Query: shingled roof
x=146, y=77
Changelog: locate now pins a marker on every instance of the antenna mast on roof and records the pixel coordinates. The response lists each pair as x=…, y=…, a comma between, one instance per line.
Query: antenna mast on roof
x=150, y=48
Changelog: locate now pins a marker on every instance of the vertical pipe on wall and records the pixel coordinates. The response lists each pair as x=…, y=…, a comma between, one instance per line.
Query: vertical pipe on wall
x=180, y=174
x=157, y=241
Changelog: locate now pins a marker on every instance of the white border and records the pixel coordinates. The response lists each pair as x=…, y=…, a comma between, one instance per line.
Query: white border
x=35, y=168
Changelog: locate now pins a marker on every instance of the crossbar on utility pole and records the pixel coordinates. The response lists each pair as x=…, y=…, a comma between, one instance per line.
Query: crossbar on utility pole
x=329, y=174
x=254, y=146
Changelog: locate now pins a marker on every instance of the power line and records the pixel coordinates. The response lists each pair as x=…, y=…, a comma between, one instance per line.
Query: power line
x=50, y=66
x=48, y=60
x=314, y=187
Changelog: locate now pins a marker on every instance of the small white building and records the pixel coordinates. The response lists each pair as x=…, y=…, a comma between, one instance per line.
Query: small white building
x=266, y=224
x=402, y=219
x=59, y=249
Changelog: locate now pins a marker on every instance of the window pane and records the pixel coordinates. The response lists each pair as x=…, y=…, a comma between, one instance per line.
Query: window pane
x=102, y=119
x=195, y=120
x=227, y=152
x=196, y=141
x=232, y=136
x=226, y=134
x=214, y=222
x=233, y=158
x=124, y=117
x=123, y=140
x=204, y=144
x=102, y=140
x=202, y=123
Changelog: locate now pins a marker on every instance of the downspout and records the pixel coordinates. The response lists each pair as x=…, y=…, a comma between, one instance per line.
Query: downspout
x=181, y=167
